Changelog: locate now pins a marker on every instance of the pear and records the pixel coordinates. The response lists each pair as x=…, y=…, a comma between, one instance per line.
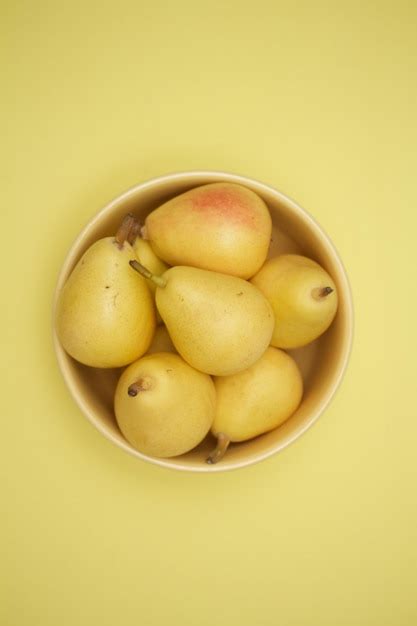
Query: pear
x=105, y=315
x=161, y=341
x=223, y=227
x=256, y=400
x=163, y=406
x=147, y=257
x=219, y=324
x=302, y=295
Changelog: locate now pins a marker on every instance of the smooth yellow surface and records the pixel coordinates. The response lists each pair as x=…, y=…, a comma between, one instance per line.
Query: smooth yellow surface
x=292, y=284
x=221, y=227
x=219, y=324
x=258, y=399
x=318, y=99
x=105, y=316
x=173, y=409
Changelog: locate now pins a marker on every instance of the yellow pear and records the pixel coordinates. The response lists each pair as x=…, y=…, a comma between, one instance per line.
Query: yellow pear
x=302, y=295
x=223, y=227
x=161, y=341
x=219, y=324
x=163, y=406
x=105, y=315
x=256, y=400
x=147, y=257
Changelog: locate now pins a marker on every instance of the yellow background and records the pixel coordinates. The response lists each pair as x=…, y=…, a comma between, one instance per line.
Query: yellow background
x=317, y=99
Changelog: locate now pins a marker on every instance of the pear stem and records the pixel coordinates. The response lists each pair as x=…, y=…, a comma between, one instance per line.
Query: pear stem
x=125, y=227
x=158, y=280
x=219, y=451
x=134, y=232
x=321, y=292
x=142, y=384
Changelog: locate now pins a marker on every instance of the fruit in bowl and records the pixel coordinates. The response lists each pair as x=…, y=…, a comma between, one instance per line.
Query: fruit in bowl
x=223, y=227
x=255, y=400
x=303, y=297
x=163, y=406
x=226, y=299
x=220, y=324
x=105, y=316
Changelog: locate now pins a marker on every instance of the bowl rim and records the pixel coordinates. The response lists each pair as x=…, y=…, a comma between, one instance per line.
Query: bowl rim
x=214, y=175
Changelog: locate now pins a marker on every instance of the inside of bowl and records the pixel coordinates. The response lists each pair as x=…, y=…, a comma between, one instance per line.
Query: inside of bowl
x=321, y=362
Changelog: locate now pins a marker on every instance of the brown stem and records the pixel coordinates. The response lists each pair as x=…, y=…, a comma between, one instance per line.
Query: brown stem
x=124, y=230
x=134, y=232
x=219, y=451
x=144, y=232
x=142, y=384
x=321, y=292
x=159, y=281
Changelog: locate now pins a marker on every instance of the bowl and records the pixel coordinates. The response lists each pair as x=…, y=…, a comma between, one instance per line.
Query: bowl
x=322, y=363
